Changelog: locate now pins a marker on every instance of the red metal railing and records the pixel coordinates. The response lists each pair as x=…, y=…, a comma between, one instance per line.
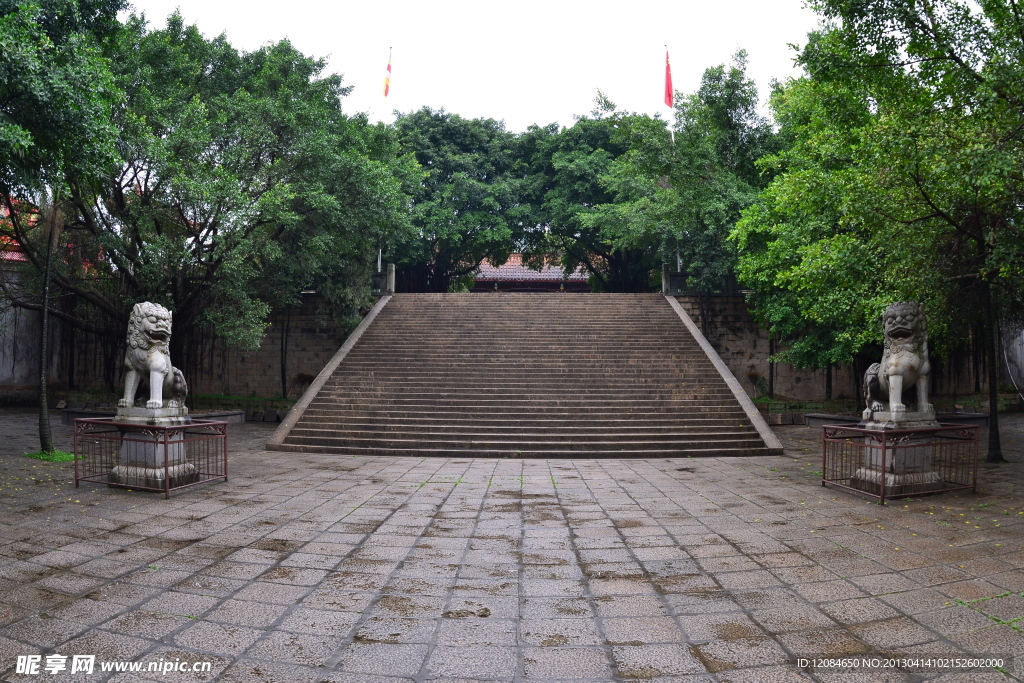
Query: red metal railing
x=150, y=457
x=900, y=462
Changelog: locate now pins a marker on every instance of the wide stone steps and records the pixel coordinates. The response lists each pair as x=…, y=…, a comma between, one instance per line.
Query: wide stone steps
x=525, y=375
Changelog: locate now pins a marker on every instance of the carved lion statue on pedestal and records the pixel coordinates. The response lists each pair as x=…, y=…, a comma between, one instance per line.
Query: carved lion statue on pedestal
x=148, y=361
x=904, y=362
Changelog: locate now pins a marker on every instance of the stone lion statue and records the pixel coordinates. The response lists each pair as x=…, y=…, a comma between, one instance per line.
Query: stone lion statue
x=148, y=361
x=904, y=362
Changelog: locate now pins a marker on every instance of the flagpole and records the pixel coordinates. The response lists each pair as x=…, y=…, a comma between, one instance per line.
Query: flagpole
x=387, y=89
x=669, y=95
x=387, y=83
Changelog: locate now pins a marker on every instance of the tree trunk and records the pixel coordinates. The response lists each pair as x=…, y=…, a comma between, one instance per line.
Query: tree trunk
x=995, y=450
x=828, y=382
x=975, y=359
x=771, y=366
x=284, y=353
x=45, y=434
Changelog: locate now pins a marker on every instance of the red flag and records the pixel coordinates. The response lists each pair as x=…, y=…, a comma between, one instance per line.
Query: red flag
x=387, y=78
x=668, y=81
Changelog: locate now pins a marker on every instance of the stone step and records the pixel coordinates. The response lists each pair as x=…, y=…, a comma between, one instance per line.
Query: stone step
x=327, y=409
x=517, y=391
x=522, y=445
x=440, y=421
x=707, y=451
x=522, y=436
x=630, y=405
x=568, y=429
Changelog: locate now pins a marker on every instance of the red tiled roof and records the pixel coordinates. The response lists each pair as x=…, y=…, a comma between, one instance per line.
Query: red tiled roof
x=514, y=271
x=11, y=250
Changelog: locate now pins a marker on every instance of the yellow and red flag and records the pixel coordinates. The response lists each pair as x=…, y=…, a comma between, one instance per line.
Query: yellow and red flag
x=387, y=76
x=668, y=80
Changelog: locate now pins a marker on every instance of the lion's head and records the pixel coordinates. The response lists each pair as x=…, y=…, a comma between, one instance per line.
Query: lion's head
x=905, y=323
x=150, y=324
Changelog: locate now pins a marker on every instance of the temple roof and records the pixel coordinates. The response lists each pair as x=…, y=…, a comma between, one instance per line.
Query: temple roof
x=514, y=271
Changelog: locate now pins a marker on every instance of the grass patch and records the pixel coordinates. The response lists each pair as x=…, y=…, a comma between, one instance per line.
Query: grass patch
x=52, y=456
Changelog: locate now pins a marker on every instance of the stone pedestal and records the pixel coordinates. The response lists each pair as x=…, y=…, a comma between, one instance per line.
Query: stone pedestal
x=909, y=459
x=883, y=419
x=141, y=461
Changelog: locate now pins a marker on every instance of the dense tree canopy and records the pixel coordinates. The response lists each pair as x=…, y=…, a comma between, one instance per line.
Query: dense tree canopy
x=56, y=92
x=567, y=169
x=467, y=207
x=901, y=180
x=679, y=196
x=237, y=183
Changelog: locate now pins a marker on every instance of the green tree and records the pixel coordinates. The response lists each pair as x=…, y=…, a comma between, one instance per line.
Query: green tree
x=239, y=182
x=908, y=138
x=682, y=196
x=56, y=96
x=467, y=207
x=568, y=182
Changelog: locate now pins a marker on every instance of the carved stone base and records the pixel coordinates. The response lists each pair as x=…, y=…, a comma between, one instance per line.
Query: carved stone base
x=141, y=462
x=884, y=419
x=182, y=474
x=871, y=481
x=908, y=463
x=153, y=416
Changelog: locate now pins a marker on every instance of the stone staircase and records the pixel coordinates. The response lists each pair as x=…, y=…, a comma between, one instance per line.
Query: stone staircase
x=524, y=375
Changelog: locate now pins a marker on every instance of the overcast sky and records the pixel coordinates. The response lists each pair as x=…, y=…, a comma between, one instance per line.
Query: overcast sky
x=535, y=61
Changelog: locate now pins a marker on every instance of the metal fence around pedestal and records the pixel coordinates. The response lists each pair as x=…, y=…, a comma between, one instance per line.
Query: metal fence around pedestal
x=886, y=463
x=150, y=457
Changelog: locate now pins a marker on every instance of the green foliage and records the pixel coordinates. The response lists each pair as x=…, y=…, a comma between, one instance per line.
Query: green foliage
x=902, y=178
x=466, y=207
x=683, y=198
x=569, y=181
x=56, y=92
x=52, y=456
x=238, y=183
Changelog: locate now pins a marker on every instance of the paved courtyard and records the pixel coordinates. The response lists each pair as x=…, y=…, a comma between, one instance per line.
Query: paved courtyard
x=372, y=570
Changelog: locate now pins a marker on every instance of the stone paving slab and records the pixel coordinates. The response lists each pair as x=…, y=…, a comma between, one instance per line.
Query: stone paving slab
x=347, y=569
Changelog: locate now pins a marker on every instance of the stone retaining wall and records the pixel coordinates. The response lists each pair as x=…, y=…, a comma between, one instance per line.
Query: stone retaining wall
x=313, y=339
x=745, y=349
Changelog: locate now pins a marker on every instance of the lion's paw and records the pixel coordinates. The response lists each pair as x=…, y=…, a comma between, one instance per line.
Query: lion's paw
x=898, y=408
x=124, y=403
x=154, y=404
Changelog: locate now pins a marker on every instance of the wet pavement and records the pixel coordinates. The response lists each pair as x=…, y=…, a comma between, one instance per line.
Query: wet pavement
x=371, y=570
